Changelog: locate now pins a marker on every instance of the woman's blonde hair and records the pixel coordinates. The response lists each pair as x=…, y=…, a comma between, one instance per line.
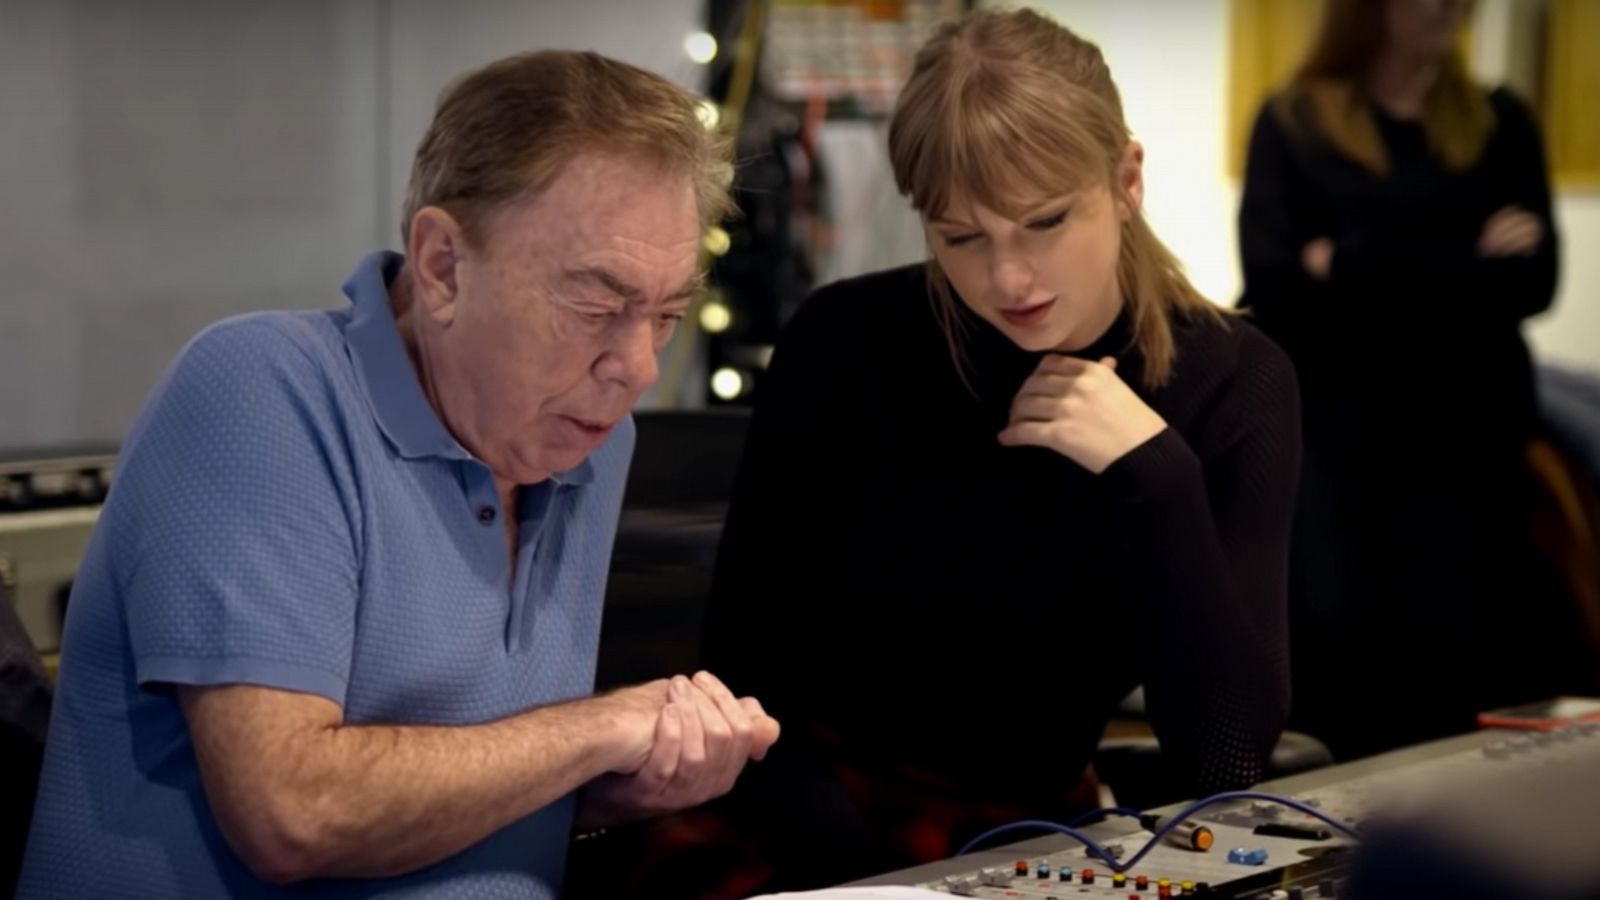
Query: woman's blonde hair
x=1328, y=94
x=1005, y=107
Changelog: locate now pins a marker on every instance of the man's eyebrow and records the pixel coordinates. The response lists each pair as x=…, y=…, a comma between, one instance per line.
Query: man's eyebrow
x=616, y=285
x=694, y=285
x=606, y=279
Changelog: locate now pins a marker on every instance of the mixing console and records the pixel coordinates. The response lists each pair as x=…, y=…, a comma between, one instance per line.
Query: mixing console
x=1263, y=850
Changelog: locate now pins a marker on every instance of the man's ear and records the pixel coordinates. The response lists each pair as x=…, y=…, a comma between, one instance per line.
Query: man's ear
x=434, y=250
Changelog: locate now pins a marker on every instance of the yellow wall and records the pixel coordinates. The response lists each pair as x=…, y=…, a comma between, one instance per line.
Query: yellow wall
x=1571, y=97
x=1267, y=39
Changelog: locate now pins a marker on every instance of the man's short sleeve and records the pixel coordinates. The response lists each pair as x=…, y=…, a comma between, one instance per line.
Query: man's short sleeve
x=235, y=520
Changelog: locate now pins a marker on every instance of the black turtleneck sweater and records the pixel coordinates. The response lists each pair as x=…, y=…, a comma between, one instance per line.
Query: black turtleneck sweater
x=892, y=576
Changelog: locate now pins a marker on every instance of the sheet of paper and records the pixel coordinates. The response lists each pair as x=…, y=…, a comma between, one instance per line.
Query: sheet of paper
x=860, y=893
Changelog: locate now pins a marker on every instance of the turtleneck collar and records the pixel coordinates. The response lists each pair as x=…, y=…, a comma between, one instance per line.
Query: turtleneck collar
x=997, y=367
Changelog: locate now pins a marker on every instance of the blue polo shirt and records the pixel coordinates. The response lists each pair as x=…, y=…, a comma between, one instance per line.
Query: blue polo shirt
x=290, y=512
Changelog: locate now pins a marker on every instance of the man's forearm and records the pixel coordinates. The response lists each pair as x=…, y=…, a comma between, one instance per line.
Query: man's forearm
x=395, y=799
x=375, y=801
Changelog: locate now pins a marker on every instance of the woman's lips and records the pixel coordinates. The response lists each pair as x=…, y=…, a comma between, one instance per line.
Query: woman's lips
x=1028, y=316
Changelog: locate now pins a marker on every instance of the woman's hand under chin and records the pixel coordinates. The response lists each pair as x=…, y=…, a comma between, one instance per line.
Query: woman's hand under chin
x=1082, y=410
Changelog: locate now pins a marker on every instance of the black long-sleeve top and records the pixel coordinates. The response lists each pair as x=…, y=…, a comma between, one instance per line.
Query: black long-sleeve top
x=1405, y=256
x=890, y=574
x=1413, y=539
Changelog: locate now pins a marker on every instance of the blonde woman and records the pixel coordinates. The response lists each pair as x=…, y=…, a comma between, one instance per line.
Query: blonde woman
x=1396, y=231
x=985, y=497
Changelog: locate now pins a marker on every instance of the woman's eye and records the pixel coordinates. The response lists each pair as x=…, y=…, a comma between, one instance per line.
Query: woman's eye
x=956, y=240
x=1050, y=222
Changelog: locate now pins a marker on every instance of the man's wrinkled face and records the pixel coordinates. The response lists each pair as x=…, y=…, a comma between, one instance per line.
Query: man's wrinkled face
x=560, y=314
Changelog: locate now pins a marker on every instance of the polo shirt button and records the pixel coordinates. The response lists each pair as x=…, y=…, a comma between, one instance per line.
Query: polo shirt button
x=486, y=515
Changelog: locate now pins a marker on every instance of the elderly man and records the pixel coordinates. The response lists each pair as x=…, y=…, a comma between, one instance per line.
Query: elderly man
x=336, y=631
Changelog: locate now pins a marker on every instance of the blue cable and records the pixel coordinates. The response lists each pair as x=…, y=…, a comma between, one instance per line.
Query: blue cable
x=1095, y=849
x=1100, y=853
x=1226, y=797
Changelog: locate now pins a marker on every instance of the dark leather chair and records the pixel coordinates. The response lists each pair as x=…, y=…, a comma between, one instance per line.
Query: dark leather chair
x=677, y=498
x=24, y=715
